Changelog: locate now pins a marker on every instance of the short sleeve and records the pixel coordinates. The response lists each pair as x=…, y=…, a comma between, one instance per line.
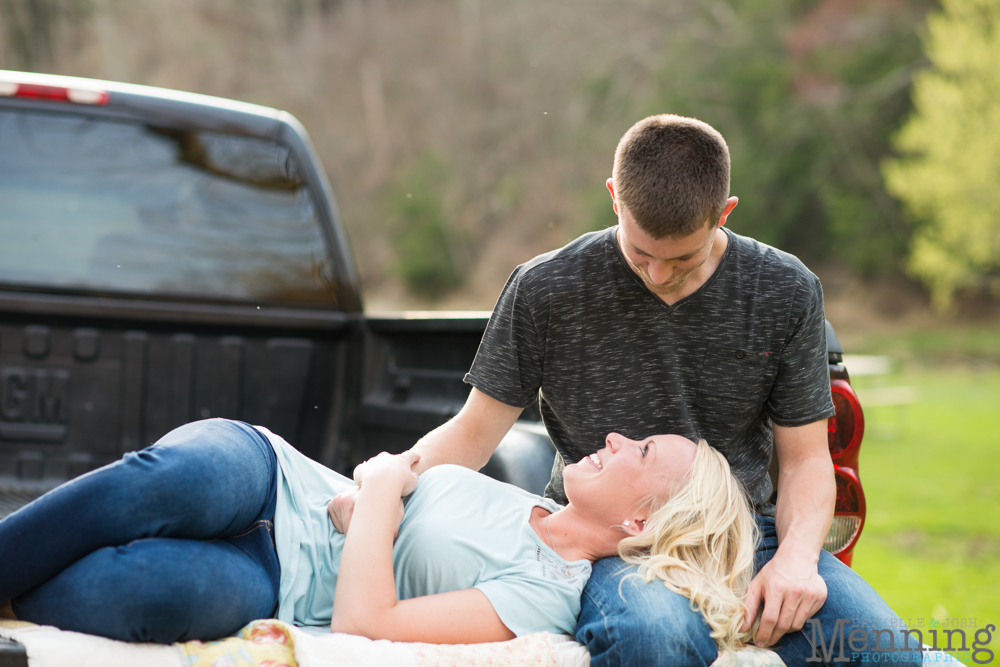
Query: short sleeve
x=508, y=365
x=801, y=391
x=526, y=604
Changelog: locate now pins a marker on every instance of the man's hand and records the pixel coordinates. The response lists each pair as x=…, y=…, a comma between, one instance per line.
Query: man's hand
x=790, y=590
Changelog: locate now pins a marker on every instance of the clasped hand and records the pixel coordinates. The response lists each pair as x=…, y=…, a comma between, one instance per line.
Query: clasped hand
x=398, y=467
x=790, y=590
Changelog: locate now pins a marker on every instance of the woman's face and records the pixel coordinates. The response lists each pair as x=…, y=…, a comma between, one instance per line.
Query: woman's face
x=612, y=483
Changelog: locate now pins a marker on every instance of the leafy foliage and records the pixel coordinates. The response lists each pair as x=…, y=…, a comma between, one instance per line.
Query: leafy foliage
x=422, y=238
x=949, y=172
x=806, y=126
x=524, y=101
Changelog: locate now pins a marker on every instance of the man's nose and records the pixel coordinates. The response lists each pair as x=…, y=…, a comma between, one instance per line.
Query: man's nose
x=659, y=272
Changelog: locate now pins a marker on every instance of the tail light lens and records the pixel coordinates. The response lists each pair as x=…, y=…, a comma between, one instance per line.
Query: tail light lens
x=848, y=516
x=844, y=433
x=53, y=93
x=845, y=429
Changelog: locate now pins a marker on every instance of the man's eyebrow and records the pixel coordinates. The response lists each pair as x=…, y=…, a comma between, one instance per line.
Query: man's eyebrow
x=646, y=254
x=639, y=250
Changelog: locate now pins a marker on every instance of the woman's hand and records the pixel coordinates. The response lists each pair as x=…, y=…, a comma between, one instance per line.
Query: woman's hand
x=390, y=467
x=385, y=467
x=341, y=510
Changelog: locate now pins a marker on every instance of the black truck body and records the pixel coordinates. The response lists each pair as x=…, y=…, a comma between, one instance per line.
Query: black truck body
x=93, y=365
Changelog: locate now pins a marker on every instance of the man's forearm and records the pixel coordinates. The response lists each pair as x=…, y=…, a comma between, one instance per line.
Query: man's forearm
x=789, y=585
x=471, y=437
x=807, y=494
x=450, y=443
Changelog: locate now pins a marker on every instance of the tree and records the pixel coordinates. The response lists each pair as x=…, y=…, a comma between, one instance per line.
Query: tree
x=423, y=238
x=948, y=174
x=807, y=94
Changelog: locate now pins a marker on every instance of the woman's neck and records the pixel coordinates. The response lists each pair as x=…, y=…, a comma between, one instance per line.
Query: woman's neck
x=572, y=536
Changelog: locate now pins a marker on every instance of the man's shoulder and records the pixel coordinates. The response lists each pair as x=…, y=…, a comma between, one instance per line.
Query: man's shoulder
x=582, y=255
x=766, y=265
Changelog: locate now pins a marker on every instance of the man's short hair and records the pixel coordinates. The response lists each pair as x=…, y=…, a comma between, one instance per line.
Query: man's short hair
x=672, y=174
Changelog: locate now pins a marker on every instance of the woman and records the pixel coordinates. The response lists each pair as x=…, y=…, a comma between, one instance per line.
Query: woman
x=220, y=523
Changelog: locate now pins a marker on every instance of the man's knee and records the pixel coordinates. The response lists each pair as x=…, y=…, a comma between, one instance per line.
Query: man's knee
x=627, y=621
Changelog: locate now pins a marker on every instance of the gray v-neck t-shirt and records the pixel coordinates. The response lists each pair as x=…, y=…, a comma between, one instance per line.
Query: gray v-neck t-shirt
x=577, y=330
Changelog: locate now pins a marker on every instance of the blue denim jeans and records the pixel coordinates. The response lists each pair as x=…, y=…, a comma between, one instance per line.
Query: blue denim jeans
x=171, y=543
x=647, y=625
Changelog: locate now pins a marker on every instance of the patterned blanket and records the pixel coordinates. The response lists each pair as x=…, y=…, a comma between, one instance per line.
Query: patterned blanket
x=271, y=643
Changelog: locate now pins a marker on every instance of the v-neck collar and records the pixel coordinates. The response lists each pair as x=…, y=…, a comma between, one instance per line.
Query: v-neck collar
x=613, y=240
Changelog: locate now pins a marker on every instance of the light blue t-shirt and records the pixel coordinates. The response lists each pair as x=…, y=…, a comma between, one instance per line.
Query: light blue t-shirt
x=461, y=530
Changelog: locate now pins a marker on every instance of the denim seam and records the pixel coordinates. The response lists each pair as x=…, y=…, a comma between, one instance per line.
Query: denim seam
x=256, y=526
x=612, y=652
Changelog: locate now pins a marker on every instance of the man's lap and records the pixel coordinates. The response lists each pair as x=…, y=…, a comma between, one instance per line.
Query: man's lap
x=626, y=621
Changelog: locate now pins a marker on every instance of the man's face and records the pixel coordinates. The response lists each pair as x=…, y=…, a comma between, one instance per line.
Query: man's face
x=663, y=264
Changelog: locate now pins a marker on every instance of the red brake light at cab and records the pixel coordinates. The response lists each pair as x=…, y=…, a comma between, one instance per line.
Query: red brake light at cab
x=53, y=93
x=846, y=429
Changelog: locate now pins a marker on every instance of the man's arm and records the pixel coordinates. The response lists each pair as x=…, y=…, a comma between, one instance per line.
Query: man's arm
x=471, y=437
x=789, y=585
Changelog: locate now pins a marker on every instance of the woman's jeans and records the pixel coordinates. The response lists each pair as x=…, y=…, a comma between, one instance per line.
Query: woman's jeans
x=171, y=543
x=647, y=625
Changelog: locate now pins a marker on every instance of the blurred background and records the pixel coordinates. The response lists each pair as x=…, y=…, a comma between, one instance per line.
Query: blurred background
x=464, y=137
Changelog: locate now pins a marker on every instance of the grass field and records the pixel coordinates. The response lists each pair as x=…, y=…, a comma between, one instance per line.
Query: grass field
x=931, y=473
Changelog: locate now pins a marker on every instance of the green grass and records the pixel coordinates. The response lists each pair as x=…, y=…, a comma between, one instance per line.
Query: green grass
x=931, y=474
x=932, y=346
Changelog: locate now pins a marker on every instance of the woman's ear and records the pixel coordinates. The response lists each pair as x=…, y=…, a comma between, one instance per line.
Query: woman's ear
x=634, y=526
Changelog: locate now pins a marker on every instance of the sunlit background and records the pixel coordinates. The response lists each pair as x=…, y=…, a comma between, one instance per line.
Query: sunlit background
x=463, y=137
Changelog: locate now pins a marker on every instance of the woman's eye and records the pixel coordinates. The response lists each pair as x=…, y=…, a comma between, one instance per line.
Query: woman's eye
x=645, y=450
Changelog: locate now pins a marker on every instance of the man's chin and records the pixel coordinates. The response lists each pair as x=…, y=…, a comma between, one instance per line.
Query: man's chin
x=664, y=290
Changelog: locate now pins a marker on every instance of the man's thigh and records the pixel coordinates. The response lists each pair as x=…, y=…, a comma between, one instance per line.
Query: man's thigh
x=852, y=606
x=625, y=621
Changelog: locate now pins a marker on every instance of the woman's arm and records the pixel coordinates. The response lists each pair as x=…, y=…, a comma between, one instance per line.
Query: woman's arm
x=341, y=509
x=365, y=600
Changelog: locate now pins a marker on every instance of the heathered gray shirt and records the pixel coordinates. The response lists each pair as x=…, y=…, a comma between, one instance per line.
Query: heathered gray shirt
x=578, y=331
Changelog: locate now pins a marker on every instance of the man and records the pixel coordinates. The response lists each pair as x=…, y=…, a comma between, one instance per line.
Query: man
x=668, y=323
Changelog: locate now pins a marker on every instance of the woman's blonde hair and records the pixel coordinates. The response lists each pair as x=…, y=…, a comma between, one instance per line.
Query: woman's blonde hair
x=701, y=543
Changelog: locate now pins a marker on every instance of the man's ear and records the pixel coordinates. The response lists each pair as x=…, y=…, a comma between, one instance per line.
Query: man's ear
x=611, y=188
x=730, y=205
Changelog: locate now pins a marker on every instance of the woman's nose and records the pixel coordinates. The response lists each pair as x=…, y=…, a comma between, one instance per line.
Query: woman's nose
x=614, y=441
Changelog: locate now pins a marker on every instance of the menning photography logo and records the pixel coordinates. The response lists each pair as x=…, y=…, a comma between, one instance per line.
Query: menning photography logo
x=892, y=640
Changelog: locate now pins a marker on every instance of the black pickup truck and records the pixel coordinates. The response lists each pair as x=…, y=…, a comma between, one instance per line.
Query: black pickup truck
x=167, y=257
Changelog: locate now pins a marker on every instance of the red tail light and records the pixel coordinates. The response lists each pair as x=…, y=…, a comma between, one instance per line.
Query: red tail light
x=844, y=433
x=846, y=429
x=53, y=93
x=848, y=516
